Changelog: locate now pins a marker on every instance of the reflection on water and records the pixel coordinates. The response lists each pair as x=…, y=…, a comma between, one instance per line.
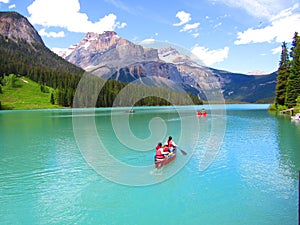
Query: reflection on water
x=253, y=179
x=289, y=145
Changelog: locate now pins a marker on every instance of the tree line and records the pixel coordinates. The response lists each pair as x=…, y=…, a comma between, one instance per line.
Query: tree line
x=288, y=79
x=97, y=92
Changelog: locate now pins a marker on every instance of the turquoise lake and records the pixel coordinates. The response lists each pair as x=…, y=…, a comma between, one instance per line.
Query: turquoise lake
x=95, y=166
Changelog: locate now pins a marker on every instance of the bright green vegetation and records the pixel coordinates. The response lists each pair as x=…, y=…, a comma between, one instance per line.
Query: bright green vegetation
x=288, y=79
x=20, y=92
x=40, y=65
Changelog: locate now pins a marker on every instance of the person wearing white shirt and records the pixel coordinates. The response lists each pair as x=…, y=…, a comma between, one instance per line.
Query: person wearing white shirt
x=171, y=144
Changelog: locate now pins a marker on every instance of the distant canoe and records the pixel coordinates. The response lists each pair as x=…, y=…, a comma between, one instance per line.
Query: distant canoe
x=201, y=114
x=161, y=163
x=130, y=111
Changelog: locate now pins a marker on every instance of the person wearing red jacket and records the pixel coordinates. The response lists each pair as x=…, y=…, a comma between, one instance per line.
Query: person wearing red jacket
x=171, y=144
x=160, y=153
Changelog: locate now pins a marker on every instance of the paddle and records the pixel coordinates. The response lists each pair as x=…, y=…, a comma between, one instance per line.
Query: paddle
x=182, y=152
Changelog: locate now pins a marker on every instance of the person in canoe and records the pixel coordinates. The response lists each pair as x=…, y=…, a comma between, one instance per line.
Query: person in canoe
x=170, y=144
x=202, y=113
x=161, y=154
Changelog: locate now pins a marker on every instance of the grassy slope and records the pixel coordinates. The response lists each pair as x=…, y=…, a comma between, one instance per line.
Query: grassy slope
x=26, y=95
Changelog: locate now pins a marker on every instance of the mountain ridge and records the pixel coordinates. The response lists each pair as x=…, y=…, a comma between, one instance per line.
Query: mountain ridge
x=23, y=53
x=16, y=27
x=128, y=62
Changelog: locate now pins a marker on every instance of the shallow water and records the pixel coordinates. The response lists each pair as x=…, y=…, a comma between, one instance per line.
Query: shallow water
x=49, y=167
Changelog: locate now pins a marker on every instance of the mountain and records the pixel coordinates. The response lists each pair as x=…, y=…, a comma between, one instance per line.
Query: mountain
x=15, y=27
x=23, y=51
x=247, y=88
x=108, y=48
x=112, y=57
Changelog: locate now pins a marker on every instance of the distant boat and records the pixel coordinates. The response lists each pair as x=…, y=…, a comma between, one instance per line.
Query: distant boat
x=167, y=160
x=202, y=113
x=130, y=111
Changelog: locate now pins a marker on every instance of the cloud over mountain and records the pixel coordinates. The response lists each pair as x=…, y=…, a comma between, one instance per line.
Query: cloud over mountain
x=210, y=57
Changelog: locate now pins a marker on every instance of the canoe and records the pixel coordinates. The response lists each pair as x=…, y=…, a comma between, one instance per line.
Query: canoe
x=201, y=114
x=130, y=111
x=161, y=163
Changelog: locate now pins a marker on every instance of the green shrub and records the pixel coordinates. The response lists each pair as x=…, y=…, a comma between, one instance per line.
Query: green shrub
x=298, y=101
x=273, y=107
x=281, y=107
x=10, y=80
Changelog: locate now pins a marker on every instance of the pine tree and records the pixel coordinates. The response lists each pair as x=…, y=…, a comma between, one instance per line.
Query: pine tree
x=293, y=84
x=52, y=100
x=283, y=74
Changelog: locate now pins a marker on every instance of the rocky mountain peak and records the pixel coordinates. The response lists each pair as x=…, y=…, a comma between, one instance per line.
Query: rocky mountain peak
x=171, y=55
x=106, y=48
x=15, y=27
x=94, y=42
x=168, y=51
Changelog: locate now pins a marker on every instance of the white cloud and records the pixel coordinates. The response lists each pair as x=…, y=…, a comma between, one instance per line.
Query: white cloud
x=4, y=1
x=257, y=8
x=217, y=25
x=184, y=18
x=43, y=32
x=147, y=41
x=276, y=50
x=210, y=57
x=285, y=13
x=12, y=6
x=188, y=27
x=282, y=28
x=119, y=5
x=66, y=14
x=59, y=51
x=121, y=25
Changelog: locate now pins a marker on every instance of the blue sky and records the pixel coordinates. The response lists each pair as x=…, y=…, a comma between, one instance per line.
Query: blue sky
x=238, y=36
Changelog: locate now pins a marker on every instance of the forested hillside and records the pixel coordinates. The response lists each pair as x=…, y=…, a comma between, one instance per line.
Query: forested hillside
x=23, y=53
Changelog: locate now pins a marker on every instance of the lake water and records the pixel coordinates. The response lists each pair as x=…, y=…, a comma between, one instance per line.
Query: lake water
x=96, y=167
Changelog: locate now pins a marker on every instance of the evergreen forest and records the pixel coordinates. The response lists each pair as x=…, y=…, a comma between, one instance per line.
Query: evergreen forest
x=288, y=79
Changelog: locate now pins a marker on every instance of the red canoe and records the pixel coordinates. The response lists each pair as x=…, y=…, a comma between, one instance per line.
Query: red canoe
x=159, y=164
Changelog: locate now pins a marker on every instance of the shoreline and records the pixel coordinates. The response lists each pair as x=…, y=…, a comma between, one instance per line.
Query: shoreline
x=130, y=107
